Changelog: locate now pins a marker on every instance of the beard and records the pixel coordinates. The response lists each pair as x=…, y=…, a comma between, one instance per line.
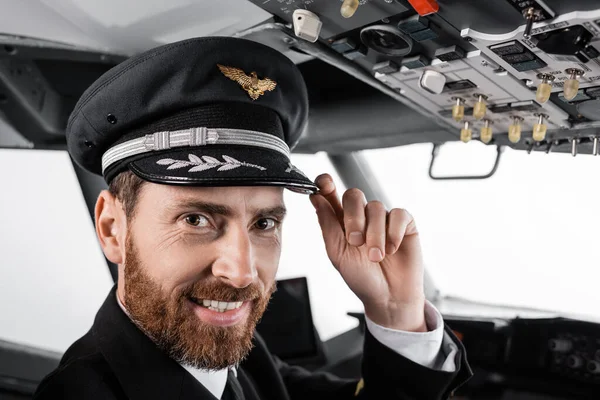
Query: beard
x=168, y=319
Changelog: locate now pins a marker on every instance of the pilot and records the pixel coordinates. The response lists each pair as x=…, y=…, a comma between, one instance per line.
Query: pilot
x=194, y=139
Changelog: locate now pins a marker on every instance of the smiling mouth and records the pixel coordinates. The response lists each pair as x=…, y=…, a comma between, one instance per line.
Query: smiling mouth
x=218, y=306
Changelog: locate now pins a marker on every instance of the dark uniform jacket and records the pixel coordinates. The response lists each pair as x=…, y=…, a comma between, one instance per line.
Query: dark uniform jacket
x=116, y=360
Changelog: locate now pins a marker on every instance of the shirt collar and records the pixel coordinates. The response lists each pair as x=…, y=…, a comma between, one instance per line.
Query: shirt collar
x=213, y=381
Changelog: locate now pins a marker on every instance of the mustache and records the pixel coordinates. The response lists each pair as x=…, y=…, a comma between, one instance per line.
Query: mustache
x=216, y=290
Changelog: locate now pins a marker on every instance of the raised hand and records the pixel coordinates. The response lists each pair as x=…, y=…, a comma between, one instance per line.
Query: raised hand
x=377, y=252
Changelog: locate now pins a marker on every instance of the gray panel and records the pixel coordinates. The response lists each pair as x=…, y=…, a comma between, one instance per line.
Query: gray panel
x=366, y=122
x=498, y=16
x=23, y=367
x=329, y=12
x=501, y=89
x=371, y=116
x=9, y=137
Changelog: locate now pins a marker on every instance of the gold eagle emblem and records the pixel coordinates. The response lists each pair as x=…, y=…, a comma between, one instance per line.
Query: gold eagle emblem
x=250, y=83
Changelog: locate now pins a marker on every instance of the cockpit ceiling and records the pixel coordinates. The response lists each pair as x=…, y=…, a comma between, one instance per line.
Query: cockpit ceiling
x=131, y=26
x=383, y=77
x=126, y=27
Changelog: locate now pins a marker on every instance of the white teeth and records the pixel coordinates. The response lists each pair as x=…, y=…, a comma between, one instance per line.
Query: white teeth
x=221, y=306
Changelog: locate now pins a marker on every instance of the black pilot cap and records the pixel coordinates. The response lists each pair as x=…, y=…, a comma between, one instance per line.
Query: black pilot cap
x=211, y=111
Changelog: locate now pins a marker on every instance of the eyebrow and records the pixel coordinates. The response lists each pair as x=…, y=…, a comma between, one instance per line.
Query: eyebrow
x=226, y=211
x=277, y=211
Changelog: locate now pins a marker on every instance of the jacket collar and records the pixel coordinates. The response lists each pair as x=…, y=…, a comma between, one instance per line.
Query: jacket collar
x=143, y=370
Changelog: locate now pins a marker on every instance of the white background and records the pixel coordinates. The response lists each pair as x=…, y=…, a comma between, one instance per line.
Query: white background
x=528, y=236
x=53, y=276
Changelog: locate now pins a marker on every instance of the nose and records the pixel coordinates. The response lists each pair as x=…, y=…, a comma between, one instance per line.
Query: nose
x=235, y=262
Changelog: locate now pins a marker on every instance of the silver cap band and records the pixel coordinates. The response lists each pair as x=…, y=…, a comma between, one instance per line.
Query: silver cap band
x=192, y=137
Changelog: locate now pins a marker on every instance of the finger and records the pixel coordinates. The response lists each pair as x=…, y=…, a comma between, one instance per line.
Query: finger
x=400, y=223
x=376, y=230
x=327, y=189
x=354, y=203
x=331, y=229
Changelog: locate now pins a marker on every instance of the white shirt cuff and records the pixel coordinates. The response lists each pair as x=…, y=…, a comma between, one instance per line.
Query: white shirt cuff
x=434, y=349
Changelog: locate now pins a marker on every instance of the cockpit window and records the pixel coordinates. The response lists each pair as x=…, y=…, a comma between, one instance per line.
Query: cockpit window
x=528, y=236
x=53, y=277
x=303, y=255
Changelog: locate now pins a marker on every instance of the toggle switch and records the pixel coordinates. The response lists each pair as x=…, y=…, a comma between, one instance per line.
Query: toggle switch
x=552, y=144
x=433, y=82
x=574, y=361
x=425, y=7
x=480, y=107
x=531, y=15
x=544, y=90
x=458, y=110
x=540, y=128
x=466, y=133
x=514, y=130
x=595, y=153
x=349, y=7
x=571, y=86
x=574, y=143
x=307, y=25
x=560, y=345
x=486, y=131
x=529, y=147
x=593, y=367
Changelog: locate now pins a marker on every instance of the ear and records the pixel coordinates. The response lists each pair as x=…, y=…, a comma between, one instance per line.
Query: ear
x=111, y=226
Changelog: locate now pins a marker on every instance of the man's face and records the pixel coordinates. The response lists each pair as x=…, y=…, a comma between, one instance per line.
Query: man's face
x=200, y=268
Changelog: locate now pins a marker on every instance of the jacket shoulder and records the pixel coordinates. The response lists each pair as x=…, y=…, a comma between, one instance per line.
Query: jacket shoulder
x=84, y=377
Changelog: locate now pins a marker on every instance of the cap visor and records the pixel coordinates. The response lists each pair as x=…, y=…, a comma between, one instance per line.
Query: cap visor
x=222, y=166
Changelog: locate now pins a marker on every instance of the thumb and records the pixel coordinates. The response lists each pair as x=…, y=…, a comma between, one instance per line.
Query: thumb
x=332, y=231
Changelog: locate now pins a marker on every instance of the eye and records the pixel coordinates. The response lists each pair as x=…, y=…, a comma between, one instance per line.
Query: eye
x=196, y=220
x=264, y=224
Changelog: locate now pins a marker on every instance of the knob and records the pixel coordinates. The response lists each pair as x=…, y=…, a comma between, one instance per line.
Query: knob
x=571, y=86
x=560, y=345
x=544, y=90
x=574, y=361
x=486, y=131
x=514, y=130
x=349, y=7
x=466, y=133
x=593, y=367
x=539, y=129
x=458, y=110
x=480, y=107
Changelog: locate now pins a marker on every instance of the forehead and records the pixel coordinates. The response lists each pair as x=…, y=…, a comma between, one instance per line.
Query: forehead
x=242, y=198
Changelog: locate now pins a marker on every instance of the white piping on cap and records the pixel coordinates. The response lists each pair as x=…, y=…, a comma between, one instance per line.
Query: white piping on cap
x=192, y=137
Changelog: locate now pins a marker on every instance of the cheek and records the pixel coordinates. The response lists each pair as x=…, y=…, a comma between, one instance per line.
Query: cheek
x=267, y=260
x=171, y=258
